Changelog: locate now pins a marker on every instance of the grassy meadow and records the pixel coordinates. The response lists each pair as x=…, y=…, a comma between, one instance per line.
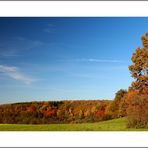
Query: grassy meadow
x=110, y=125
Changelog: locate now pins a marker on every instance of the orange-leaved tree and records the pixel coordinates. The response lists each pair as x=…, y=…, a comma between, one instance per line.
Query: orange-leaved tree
x=137, y=98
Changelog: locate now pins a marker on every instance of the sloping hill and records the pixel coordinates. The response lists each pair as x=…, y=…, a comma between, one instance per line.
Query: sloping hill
x=110, y=125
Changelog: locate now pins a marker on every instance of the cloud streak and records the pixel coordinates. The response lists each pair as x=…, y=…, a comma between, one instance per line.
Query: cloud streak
x=50, y=28
x=96, y=60
x=18, y=45
x=9, y=54
x=14, y=73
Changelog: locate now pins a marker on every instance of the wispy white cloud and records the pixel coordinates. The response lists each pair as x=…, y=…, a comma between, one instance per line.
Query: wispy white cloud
x=50, y=28
x=20, y=38
x=18, y=45
x=14, y=73
x=8, y=53
x=96, y=60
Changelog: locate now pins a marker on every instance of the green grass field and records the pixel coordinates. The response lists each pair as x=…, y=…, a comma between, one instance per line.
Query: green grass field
x=110, y=125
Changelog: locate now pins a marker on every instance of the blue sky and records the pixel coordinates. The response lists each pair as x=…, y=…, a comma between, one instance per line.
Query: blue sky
x=66, y=58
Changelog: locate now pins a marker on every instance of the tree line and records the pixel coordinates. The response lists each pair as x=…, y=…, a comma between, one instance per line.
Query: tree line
x=78, y=111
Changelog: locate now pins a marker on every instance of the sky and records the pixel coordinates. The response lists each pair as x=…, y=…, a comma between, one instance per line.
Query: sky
x=66, y=58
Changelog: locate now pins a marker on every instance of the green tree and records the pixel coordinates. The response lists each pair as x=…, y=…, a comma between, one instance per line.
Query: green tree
x=113, y=109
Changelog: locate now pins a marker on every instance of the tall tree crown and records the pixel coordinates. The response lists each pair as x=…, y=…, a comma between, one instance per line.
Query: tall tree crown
x=139, y=68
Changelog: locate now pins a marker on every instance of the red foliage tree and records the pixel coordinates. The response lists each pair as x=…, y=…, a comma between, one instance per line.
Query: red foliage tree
x=137, y=98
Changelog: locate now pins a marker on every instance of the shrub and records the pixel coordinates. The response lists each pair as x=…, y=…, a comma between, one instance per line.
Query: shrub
x=137, y=111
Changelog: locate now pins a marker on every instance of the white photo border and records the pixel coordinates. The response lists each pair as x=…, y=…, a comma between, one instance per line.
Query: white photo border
x=73, y=9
